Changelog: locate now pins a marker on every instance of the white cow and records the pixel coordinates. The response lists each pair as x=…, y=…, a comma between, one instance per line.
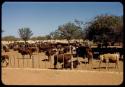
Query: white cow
x=110, y=58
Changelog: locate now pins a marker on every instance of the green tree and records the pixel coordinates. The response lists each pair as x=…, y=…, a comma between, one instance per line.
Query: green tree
x=48, y=37
x=81, y=33
x=25, y=33
x=104, y=28
x=68, y=31
x=56, y=35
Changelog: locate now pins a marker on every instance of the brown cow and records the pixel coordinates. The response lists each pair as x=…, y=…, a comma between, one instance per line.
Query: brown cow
x=49, y=53
x=5, y=49
x=89, y=55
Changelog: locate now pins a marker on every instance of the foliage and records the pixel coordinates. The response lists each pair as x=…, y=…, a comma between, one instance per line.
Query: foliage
x=104, y=28
x=81, y=33
x=25, y=33
x=68, y=31
x=9, y=38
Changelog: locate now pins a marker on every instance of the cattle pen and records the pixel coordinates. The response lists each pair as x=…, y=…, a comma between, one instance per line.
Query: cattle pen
x=37, y=70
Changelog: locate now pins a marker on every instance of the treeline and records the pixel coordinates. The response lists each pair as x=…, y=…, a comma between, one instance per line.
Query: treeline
x=102, y=28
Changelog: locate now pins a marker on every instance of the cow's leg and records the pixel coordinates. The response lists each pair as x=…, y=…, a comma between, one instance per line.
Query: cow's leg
x=88, y=60
x=55, y=62
x=63, y=62
x=108, y=65
x=49, y=58
x=55, y=67
x=23, y=56
x=3, y=59
x=91, y=63
x=7, y=61
x=107, y=61
x=117, y=64
x=100, y=64
x=30, y=54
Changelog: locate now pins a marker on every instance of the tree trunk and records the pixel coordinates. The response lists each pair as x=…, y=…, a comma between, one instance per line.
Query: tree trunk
x=68, y=42
x=25, y=43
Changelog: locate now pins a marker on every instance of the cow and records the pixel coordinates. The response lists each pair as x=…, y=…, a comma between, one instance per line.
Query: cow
x=25, y=51
x=5, y=58
x=61, y=58
x=89, y=55
x=5, y=48
x=68, y=64
x=108, y=57
x=85, y=52
x=49, y=53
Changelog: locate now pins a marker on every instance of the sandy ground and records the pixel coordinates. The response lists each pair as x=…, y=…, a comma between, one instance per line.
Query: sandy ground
x=59, y=77
x=37, y=72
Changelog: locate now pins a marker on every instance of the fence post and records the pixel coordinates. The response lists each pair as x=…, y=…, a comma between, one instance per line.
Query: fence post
x=71, y=61
x=10, y=61
x=14, y=60
x=32, y=61
x=71, y=57
x=27, y=62
x=63, y=61
x=23, y=61
x=18, y=60
x=38, y=60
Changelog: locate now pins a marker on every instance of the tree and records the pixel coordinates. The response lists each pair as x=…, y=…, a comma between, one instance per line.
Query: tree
x=68, y=31
x=25, y=33
x=81, y=33
x=9, y=38
x=55, y=35
x=104, y=28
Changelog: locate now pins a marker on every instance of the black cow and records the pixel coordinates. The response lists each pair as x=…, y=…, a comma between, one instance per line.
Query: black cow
x=49, y=53
x=68, y=64
x=83, y=52
x=25, y=51
x=5, y=58
x=61, y=58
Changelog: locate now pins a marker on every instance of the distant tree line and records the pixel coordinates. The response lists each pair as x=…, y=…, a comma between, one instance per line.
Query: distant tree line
x=102, y=28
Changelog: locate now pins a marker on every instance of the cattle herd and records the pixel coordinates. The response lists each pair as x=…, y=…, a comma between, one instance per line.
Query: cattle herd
x=64, y=53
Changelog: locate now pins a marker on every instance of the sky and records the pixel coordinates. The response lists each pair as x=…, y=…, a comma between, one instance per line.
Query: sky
x=45, y=17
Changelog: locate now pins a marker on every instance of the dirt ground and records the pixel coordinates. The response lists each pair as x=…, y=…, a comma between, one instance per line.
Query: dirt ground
x=36, y=71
